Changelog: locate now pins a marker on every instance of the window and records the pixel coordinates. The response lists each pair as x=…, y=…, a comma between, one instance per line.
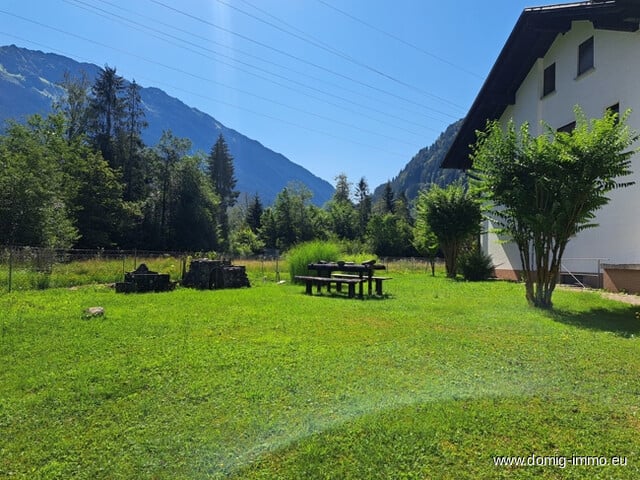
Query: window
x=615, y=108
x=585, y=56
x=549, y=80
x=568, y=128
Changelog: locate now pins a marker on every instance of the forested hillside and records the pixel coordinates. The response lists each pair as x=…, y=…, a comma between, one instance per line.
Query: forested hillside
x=424, y=168
x=30, y=83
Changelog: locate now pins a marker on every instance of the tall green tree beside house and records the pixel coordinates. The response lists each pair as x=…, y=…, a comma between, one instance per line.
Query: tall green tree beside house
x=544, y=190
x=222, y=177
x=454, y=216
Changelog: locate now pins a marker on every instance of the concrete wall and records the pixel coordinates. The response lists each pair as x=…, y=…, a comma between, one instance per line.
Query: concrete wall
x=622, y=278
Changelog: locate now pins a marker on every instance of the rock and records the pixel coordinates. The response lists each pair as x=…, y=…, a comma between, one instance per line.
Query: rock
x=93, y=312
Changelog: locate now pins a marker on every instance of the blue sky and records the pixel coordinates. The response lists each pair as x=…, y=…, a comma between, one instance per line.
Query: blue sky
x=337, y=86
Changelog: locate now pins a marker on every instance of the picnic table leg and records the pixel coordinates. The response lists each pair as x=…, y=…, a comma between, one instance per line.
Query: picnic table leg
x=360, y=287
x=378, y=287
x=352, y=290
x=319, y=285
x=308, y=287
x=339, y=286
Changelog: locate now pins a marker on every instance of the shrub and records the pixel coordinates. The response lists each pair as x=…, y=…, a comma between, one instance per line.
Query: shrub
x=305, y=253
x=476, y=265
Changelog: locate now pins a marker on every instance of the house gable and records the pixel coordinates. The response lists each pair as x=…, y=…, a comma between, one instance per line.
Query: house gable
x=526, y=51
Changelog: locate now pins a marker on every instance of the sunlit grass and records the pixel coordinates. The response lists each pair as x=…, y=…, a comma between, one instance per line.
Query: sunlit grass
x=267, y=382
x=83, y=272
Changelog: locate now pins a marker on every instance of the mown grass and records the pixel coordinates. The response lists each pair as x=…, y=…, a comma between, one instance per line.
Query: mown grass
x=264, y=383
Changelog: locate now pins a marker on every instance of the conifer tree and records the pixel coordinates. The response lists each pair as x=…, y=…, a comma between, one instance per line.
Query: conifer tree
x=106, y=113
x=131, y=144
x=222, y=177
x=363, y=198
x=388, y=202
x=254, y=214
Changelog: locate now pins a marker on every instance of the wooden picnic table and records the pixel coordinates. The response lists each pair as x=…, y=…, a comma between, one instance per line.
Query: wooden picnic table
x=362, y=271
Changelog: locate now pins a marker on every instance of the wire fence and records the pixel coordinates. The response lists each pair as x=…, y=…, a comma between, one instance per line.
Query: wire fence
x=31, y=268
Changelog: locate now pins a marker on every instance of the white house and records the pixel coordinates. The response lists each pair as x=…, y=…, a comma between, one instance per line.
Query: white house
x=558, y=56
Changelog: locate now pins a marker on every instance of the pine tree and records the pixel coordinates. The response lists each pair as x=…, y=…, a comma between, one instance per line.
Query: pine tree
x=343, y=189
x=387, y=203
x=254, y=214
x=106, y=113
x=131, y=144
x=222, y=177
x=363, y=198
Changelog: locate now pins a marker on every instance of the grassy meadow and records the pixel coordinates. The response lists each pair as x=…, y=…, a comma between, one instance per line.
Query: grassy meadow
x=432, y=381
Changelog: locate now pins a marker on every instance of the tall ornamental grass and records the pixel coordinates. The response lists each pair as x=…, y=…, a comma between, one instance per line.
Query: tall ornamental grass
x=310, y=252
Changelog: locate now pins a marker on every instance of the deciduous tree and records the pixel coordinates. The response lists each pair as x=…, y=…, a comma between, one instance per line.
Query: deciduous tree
x=454, y=217
x=544, y=190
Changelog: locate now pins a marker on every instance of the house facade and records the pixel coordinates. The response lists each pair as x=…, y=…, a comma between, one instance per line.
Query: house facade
x=557, y=57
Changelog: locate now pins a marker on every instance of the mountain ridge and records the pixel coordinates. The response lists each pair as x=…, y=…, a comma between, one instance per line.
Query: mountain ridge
x=423, y=170
x=29, y=84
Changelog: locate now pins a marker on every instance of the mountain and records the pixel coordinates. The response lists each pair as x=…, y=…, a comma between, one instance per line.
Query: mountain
x=424, y=168
x=29, y=84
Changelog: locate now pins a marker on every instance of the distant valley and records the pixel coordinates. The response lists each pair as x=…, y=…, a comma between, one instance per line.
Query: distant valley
x=29, y=83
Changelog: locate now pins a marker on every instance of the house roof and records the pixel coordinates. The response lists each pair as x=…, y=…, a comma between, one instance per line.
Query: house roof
x=532, y=36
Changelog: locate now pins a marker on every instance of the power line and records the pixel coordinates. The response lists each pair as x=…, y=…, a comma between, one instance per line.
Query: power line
x=284, y=67
x=121, y=19
x=305, y=37
x=282, y=52
x=222, y=102
x=401, y=40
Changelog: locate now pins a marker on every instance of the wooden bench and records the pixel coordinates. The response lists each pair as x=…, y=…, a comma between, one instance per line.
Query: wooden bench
x=378, y=280
x=319, y=281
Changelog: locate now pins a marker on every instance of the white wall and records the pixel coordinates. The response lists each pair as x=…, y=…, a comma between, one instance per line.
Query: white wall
x=614, y=79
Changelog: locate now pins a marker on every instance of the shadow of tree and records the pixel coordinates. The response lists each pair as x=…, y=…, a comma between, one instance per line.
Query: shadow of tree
x=619, y=320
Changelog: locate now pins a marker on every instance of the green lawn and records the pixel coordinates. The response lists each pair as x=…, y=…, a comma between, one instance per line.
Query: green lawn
x=268, y=383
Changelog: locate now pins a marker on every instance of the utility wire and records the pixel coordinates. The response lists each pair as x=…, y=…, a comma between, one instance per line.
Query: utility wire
x=324, y=46
x=222, y=102
x=282, y=52
x=284, y=67
x=121, y=19
x=398, y=39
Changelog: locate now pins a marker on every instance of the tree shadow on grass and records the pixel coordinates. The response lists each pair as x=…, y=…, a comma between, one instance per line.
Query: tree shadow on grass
x=620, y=320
